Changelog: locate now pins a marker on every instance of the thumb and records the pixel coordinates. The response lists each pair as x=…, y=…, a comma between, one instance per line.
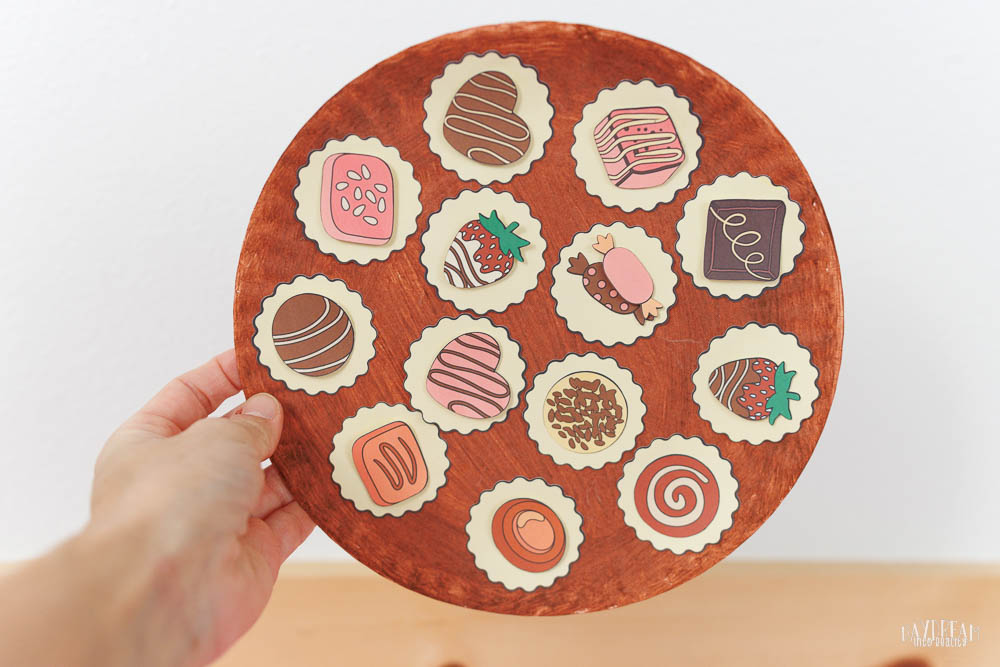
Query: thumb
x=261, y=417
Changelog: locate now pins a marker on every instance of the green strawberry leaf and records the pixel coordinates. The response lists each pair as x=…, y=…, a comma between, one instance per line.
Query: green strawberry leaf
x=779, y=403
x=510, y=243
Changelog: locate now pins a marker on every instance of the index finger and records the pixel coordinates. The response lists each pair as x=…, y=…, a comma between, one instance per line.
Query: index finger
x=189, y=397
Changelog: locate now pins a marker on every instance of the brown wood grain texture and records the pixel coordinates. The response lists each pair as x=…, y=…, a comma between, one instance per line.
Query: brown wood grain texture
x=740, y=614
x=426, y=550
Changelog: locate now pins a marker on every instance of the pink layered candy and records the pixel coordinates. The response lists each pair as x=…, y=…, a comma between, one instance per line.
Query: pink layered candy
x=464, y=379
x=628, y=275
x=357, y=193
x=639, y=147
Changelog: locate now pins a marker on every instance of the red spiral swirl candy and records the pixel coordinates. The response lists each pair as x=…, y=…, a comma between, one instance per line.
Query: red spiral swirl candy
x=677, y=495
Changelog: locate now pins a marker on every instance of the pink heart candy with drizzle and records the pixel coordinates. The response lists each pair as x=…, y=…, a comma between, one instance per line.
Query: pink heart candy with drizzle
x=464, y=379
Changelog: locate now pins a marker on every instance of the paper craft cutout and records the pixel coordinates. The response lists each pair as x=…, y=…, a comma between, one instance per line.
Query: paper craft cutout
x=624, y=269
x=524, y=533
x=586, y=412
x=636, y=145
x=390, y=463
x=463, y=377
x=483, y=252
x=529, y=535
x=639, y=147
x=464, y=374
x=312, y=335
x=780, y=376
x=754, y=389
x=357, y=198
x=481, y=123
x=488, y=117
x=740, y=235
x=678, y=494
x=743, y=239
x=620, y=282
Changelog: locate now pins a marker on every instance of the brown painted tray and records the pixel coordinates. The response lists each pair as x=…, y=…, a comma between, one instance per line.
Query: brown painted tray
x=428, y=550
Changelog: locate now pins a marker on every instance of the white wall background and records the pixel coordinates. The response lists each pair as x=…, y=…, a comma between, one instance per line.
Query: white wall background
x=123, y=201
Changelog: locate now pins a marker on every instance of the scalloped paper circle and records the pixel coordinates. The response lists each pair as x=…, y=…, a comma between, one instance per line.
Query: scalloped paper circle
x=406, y=200
x=361, y=319
x=709, y=456
x=691, y=230
x=629, y=94
x=485, y=552
x=532, y=106
x=424, y=350
x=445, y=223
x=588, y=317
x=535, y=407
x=754, y=340
x=345, y=474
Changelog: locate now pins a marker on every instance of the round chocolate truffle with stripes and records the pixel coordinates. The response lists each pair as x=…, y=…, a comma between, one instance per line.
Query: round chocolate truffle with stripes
x=481, y=124
x=312, y=334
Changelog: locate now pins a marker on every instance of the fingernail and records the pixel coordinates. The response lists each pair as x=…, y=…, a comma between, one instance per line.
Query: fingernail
x=264, y=406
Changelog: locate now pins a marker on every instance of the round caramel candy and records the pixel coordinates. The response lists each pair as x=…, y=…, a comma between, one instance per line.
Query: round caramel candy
x=312, y=334
x=529, y=535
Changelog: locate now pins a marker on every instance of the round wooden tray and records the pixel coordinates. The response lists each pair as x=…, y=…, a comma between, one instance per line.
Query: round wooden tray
x=426, y=551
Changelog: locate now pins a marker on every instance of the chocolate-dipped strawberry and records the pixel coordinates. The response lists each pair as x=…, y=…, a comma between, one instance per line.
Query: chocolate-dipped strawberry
x=619, y=281
x=754, y=389
x=483, y=252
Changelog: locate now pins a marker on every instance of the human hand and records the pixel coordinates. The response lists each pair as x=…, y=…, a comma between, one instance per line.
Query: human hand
x=190, y=493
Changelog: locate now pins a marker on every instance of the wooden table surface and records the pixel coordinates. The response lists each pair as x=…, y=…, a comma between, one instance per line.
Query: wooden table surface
x=426, y=550
x=738, y=614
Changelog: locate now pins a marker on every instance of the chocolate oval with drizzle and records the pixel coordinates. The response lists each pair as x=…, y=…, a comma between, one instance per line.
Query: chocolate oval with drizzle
x=481, y=124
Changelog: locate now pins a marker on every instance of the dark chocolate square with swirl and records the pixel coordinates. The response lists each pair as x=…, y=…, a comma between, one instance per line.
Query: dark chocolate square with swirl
x=743, y=239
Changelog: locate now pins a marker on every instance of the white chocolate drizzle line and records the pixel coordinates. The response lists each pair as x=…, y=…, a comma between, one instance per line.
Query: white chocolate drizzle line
x=609, y=131
x=739, y=241
x=320, y=351
x=673, y=495
x=326, y=311
x=293, y=341
x=608, y=138
x=729, y=385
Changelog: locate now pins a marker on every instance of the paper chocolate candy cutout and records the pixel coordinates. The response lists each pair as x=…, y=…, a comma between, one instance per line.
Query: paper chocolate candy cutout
x=585, y=412
x=619, y=281
x=390, y=463
x=639, y=147
x=677, y=495
x=312, y=334
x=754, y=389
x=483, y=252
x=529, y=535
x=357, y=194
x=524, y=533
x=743, y=239
x=758, y=398
x=481, y=123
x=463, y=377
